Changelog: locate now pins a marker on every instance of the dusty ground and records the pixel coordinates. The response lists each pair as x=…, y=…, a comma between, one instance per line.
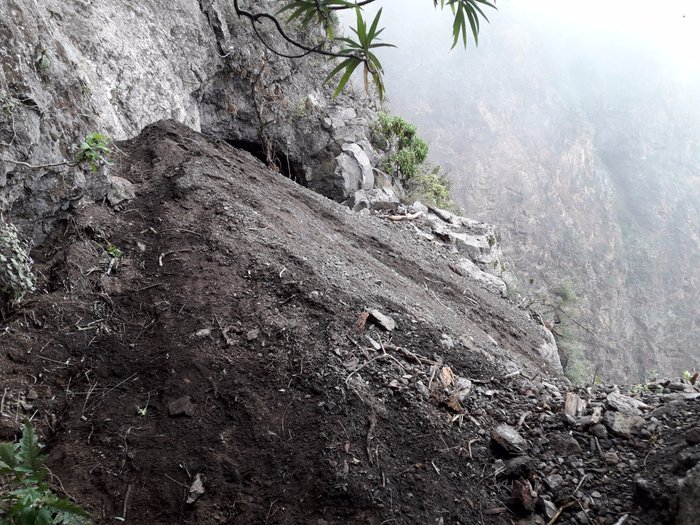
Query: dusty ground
x=237, y=297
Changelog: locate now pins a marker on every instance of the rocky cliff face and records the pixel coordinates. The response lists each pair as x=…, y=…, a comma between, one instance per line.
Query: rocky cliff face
x=74, y=67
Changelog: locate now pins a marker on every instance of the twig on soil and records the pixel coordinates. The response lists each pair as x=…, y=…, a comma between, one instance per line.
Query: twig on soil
x=2, y=402
x=126, y=501
x=267, y=518
x=433, y=370
x=407, y=217
x=648, y=454
x=622, y=520
x=87, y=397
x=173, y=252
x=110, y=390
x=469, y=447
x=176, y=481
x=513, y=374
x=372, y=423
x=570, y=503
x=372, y=360
x=523, y=418
x=54, y=361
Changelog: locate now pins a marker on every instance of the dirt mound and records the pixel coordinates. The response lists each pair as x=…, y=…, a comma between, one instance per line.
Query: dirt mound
x=216, y=351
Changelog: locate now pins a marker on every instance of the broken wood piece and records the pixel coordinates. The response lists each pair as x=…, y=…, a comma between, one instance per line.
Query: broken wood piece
x=407, y=217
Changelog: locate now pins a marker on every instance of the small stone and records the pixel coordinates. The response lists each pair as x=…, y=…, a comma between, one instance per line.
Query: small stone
x=181, y=407
x=196, y=489
x=554, y=481
x=565, y=445
x=32, y=395
x=120, y=190
x=622, y=424
x=519, y=467
x=386, y=322
x=599, y=431
x=463, y=388
x=423, y=390
x=688, y=497
x=550, y=509
x=394, y=384
x=204, y=332
x=692, y=436
x=509, y=439
x=611, y=458
x=252, y=334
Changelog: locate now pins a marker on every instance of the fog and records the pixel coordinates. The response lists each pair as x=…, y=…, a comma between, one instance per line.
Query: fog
x=575, y=128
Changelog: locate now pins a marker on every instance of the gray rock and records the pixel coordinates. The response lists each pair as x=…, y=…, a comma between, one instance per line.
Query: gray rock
x=692, y=436
x=354, y=169
x=471, y=271
x=423, y=390
x=548, y=350
x=688, y=498
x=565, y=445
x=476, y=247
x=382, y=320
x=509, y=439
x=621, y=424
x=120, y=190
x=462, y=388
x=359, y=201
x=625, y=404
x=554, y=481
x=519, y=466
x=181, y=407
x=599, y=431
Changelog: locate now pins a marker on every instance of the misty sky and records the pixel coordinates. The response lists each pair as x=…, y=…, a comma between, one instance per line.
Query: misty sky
x=671, y=28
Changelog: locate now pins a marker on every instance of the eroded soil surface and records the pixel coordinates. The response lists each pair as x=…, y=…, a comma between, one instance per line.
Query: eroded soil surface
x=229, y=344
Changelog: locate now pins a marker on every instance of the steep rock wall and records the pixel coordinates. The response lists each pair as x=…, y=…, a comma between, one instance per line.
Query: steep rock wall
x=68, y=68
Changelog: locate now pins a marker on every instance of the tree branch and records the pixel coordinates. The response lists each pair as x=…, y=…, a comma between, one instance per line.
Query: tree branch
x=257, y=17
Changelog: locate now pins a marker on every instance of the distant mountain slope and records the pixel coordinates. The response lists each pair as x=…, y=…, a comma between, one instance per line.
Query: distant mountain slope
x=586, y=152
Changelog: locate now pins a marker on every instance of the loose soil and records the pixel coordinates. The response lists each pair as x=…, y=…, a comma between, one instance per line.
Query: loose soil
x=238, y=293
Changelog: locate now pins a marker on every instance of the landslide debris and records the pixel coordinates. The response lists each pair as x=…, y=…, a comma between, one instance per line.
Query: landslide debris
x=228, y=347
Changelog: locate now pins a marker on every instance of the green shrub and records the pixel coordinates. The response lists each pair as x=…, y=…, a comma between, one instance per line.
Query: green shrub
x=406, y=151
x=26, y=499
x=16, y=276
x=94, y=150
x=431, y=188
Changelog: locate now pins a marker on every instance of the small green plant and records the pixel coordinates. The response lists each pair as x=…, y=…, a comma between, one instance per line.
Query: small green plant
x=42, y=60
x=94, y=150
x=16, y=276
x=26, y=498
x=114, y=251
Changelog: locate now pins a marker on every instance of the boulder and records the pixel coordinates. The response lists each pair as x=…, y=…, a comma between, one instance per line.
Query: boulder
x=622, y=424
x=625, y=404
x=688, y=498
x=548, y=350
x=120, y=190
x=493, y=284
x=475, y=246
x=353, y=171
x=509, y=439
